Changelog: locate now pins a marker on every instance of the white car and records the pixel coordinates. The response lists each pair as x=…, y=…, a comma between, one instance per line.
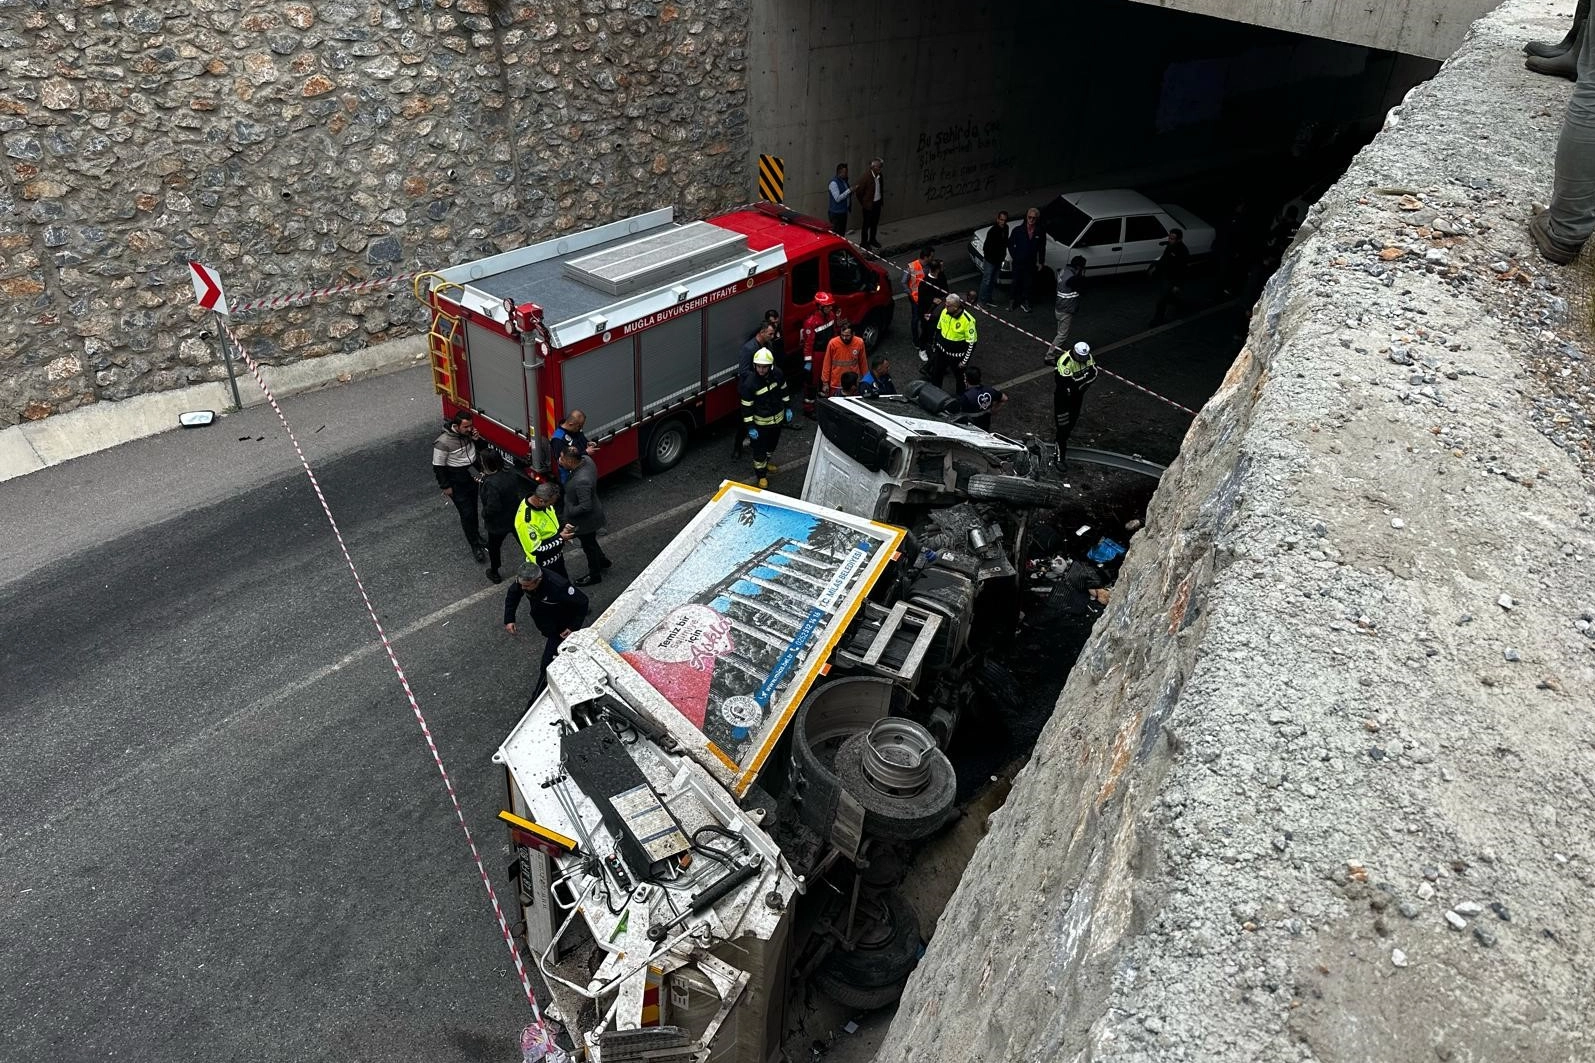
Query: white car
x=1116, y=230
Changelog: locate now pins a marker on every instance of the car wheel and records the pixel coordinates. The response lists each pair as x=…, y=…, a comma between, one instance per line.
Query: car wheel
x=1017, y=491
x=665, y=446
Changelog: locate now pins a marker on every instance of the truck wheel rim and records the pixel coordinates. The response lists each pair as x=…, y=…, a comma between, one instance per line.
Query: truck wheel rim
x=897, y=756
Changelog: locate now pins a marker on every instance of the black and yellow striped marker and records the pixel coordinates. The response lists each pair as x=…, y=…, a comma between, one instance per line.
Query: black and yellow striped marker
x=536, y=836
x=772, y=178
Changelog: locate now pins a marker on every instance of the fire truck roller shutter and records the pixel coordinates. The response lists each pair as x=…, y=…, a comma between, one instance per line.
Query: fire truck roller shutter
x=672, y=362
x=731, y=323
x=498, y=382
x=602, y=384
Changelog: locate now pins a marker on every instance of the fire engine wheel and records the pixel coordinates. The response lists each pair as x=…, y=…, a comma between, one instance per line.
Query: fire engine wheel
x=1017, y=491
x=664, y=446
x=871, y=333
x=887, y=949
x=902, y=816
x=851, y=996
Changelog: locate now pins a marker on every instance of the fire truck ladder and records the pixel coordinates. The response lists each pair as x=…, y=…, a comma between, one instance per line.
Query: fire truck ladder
x=443, y=336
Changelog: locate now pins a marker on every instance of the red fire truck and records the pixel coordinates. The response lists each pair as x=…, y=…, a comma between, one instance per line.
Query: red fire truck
x=639, y=323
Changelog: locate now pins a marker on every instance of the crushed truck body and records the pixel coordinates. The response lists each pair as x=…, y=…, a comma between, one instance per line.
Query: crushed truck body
x=722, y=787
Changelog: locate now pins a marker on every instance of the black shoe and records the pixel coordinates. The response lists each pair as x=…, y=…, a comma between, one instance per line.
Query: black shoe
x=1562, y=66
x=480, y=555
x=587, y=580
x=1024, y=308
x=606, y=563
x=493, y=576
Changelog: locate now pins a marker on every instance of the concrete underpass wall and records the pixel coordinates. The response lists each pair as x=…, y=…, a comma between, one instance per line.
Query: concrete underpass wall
x=1431, y=28
x=966, y=102
x=1321, y=784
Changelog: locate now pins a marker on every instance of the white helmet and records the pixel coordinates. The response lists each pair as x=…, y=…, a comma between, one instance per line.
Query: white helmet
x=1082, y=349
x=762, y=356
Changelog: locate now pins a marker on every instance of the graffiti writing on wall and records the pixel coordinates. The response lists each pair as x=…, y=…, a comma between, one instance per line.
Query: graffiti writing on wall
x=961, y=159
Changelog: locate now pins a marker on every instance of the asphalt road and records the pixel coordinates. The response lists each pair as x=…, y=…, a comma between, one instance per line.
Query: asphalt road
x=222, y=835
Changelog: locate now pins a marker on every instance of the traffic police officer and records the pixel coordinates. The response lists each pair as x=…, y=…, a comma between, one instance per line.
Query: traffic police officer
x=1076, y=370
x=537, y=527
x=557, y=610
x=954, y=344
x=765, y=408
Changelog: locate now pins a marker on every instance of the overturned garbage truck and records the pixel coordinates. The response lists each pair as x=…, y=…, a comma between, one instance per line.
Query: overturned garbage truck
x=719, y=791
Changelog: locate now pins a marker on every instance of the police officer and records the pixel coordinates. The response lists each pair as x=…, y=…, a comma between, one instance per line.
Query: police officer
x=1068, y=302
x=765, y=408
x=454, y=463
x=953, y=345
x=537, y=527
x=1076, y=370
x=557, y=610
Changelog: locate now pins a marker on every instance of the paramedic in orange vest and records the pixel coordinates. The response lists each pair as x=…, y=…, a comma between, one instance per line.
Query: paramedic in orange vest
x=819, y=328
x=844, y=354
x=916, y=273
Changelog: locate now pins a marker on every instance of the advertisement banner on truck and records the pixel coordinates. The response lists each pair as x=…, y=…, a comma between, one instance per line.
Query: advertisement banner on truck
x=731, y=634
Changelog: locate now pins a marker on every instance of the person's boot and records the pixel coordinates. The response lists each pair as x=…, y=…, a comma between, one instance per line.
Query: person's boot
x=493, y=576
x=1564, y=64
x=1553, y=249
x=1550, y=49
x=1561, y=66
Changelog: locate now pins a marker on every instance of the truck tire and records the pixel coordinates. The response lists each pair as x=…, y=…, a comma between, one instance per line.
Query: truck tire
x=887, y=952
x=1017, y=491
x=664, y=445
x=851, y=996
x=895, y=816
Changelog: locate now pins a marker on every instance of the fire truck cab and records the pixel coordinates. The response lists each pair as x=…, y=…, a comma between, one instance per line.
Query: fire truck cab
x=639, y=323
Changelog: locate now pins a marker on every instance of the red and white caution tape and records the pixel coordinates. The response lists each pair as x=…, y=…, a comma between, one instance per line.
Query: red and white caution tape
x=276, y=302
x=398, y=670
x=1044, y=341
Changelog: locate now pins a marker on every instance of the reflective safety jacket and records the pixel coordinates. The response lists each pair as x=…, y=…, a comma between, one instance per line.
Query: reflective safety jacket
x=1075, y=372
x=957, y=335
x=763, y=398
x=916, y=273
x=538, y=531
x=818, y=328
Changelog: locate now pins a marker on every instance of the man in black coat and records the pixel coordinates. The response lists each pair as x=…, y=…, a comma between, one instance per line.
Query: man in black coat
x=1170, y=271
x=583, y=513
x=557, y=610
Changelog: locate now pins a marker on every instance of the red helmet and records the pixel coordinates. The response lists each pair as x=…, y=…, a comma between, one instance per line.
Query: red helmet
x=823, y=299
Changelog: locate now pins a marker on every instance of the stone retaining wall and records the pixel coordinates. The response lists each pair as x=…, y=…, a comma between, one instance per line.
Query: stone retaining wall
x=296, y=144
x=1321, y=784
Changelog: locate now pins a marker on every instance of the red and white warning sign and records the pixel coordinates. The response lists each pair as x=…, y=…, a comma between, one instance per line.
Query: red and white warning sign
x=208, y=288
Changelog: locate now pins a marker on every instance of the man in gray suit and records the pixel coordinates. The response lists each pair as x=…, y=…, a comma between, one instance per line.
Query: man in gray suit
x=582, y=511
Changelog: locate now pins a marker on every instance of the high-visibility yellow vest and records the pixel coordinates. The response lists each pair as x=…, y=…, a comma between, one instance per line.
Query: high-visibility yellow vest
x=537, y=530
x=960, y=329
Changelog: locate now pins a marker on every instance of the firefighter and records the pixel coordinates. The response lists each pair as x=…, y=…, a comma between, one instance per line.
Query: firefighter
x=1076, y=370
x=557, y=610
x=953, y=345
x=766, y=406
x=537, y=527
x=819, y=328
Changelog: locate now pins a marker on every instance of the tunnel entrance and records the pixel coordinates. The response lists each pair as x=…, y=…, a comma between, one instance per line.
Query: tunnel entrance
x=970, y=103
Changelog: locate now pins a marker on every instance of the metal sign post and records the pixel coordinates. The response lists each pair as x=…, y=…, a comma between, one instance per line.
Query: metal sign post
x=208, y=293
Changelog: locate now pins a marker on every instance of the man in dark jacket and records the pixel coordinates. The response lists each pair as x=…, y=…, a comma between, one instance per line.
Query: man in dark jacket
x=993, y=251
x=1028, y=246
x=583, y=513
x=1170, y=271
x=569, y=434
x=932, y=297
x=557, y=610
x=501, y=491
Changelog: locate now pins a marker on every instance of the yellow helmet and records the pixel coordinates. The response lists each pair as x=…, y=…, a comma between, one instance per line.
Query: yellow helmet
x=762, y=356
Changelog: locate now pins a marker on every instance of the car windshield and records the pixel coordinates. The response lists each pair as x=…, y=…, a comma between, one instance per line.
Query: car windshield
x=1063, y=221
